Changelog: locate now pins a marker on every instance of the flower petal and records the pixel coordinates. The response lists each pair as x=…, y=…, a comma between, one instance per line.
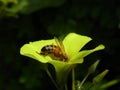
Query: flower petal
x=32, y=48
x=78, y=58
x=74, y=42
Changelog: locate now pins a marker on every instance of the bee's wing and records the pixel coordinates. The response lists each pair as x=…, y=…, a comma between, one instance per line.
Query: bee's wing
x=60, y=44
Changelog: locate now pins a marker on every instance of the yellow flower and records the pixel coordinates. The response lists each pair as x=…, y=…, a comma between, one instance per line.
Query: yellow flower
x=73, y=43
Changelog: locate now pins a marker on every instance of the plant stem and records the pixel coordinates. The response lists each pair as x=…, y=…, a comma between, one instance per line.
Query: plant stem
x=80, y=86
x=73, y=79
x=66, y=87
x=47, y=71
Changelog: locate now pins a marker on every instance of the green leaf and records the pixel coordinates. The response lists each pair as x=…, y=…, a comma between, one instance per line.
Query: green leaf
x=109, y=84
x=93, y=67
x=29, y=6
x=100, y=76
x=9, y=1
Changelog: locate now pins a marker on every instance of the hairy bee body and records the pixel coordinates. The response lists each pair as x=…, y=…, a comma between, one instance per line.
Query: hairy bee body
x=56, y=51
x=50, y=49
x=53, y=50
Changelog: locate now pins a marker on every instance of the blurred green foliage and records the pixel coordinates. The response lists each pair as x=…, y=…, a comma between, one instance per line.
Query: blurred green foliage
x=22, y=21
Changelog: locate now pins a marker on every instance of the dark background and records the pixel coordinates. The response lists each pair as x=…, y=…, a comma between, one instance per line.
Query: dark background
x=99, y=19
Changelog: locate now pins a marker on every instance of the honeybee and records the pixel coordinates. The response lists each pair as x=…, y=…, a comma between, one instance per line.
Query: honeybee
x=55, y=51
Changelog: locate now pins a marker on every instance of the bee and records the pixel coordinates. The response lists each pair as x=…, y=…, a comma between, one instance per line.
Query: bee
x=55, y=51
